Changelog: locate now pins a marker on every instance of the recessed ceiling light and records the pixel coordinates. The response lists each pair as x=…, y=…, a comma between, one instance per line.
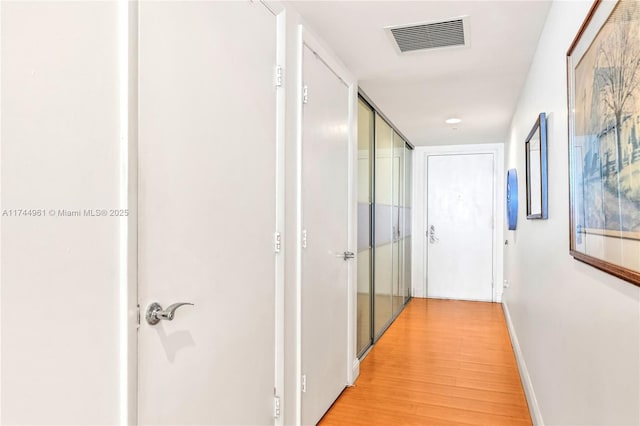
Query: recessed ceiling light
x=452, y=120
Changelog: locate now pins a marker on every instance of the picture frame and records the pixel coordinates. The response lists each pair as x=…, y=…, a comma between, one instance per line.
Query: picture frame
x=603, y=76
x=536, y=169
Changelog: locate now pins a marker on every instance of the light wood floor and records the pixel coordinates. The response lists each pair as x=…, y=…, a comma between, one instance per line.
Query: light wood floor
x=442, y=362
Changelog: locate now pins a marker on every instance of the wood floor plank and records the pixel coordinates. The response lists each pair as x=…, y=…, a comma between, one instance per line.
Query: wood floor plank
x=442, y=362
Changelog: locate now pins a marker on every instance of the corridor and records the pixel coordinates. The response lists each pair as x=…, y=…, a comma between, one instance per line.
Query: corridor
x=441, y=362
x=291, y=213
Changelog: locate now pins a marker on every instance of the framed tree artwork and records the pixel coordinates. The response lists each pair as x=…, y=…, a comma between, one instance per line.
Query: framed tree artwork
x=603, y=69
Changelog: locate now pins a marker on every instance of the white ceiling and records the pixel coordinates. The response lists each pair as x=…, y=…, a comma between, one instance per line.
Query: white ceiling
x=417, y=91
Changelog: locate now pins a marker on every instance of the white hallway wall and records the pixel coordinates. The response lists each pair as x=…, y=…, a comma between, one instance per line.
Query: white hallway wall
x=578, y=328
x=60, y=275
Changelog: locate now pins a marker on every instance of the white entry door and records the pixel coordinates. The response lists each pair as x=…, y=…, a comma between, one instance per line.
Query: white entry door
x=207, y=212
x=460, y=217
x=325, y=156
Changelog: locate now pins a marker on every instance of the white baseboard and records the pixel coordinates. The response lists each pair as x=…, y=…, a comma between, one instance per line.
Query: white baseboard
x=534, y=409
x=355, y=371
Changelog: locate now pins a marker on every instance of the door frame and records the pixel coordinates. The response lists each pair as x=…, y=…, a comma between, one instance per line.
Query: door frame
x=279, y=11
x=130, y=315
x=420, y=176
x=308, y=39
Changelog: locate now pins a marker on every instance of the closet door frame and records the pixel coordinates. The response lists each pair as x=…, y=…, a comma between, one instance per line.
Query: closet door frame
x=408, y=146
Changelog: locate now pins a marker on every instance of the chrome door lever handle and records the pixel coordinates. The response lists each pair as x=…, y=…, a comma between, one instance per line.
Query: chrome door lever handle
x=348, y=255
x=155, y=313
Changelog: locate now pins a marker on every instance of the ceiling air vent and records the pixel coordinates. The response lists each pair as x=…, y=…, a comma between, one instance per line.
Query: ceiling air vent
x=434, y=35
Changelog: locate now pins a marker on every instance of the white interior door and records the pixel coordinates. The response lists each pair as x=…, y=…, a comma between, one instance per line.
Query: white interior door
x=325, y=156
x=460, y=191
x=207, y=212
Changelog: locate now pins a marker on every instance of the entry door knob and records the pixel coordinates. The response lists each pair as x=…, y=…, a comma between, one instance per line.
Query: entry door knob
x=155, y=313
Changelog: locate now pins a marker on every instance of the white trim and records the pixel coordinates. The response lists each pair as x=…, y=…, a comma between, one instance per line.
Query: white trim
x=299, y=107
x=1, y=204
x=274, y=6
x=352, y=284
x=281, y=57
x=419, y=270
x=306, y=38
x=123, y=203
x=355, y=370
x=417, y=187
x=327, y=57
x=279, y=11
x=534, y=408
x=132, y=204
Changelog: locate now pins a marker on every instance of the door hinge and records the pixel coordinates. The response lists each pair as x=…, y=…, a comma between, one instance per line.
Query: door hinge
x=304, y=383
x=304, y=238
x=138, y=316
x=277, y=242
x=276, y=407
x=279, y=76
x=305, y=94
